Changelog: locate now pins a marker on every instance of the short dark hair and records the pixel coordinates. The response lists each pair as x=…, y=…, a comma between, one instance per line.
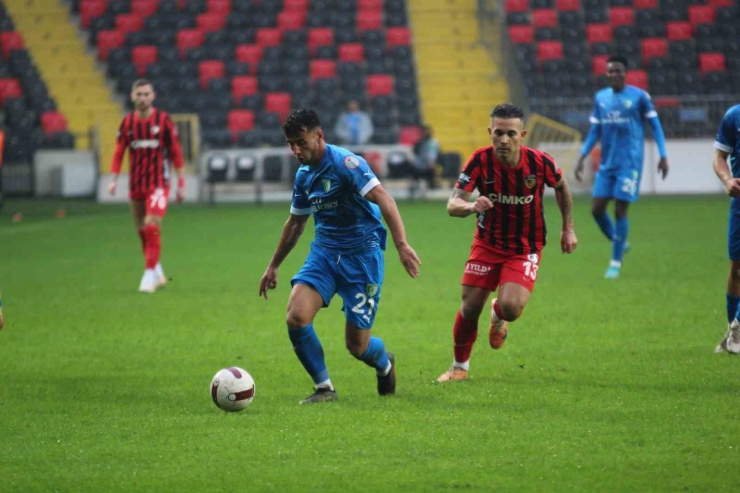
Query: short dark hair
x=141, y=82
x=617, y=59
x=300, y=119
x=507, y=111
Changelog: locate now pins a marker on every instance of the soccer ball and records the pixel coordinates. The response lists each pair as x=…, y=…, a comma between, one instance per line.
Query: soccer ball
x=232, y=389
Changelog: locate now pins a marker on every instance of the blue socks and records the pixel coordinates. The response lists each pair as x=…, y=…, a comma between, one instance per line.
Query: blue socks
x=308, y=348
x=606, y=225
x=732, y=306
x=376, y=356
x=620, y=239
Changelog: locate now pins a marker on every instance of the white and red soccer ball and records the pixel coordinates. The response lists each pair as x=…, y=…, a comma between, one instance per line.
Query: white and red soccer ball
x=232, y=389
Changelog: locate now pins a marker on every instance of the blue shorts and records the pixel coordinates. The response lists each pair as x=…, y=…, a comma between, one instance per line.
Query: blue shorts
x=623, y=184
x=733, y=231
x=358, y=278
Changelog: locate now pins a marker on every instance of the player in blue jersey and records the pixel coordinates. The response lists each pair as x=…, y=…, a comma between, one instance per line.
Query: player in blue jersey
x=618, y=120
x=727, y=145
x=346, y=257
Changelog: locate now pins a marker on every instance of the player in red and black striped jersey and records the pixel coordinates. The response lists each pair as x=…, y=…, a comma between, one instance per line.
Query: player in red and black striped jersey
x=510, y=230
x=151, y=138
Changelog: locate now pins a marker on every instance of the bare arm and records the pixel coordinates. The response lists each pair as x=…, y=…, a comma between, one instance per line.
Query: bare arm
x=292, y=231
x=389, y=209
x=722, y=170
x=458, y=205
x=568, y=240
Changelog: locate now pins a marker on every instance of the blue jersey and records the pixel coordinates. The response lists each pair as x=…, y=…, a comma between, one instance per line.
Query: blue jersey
x=334, y=192
x=618, y=119
x=728, y=138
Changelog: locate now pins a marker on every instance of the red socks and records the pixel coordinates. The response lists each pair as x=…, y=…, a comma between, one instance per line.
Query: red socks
x=465, y=333
x=498, y=311
x=152, y=245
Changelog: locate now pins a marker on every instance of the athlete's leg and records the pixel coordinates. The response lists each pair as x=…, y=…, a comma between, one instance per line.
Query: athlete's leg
x=156, y=208
x=598, y=211
x=138, y=213
x=510, y=301
x=371, y=350
x=731, y=340
x=621, y=208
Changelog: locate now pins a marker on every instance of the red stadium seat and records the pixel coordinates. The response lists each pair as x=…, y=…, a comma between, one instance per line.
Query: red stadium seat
x=701, y=14
x=52, y=122
x=323, y=69
x=210, y=22
x=516, y=6
x=369, y=21
x=278, y=102
x=521, y=34
x=679, y=30
x=654, y=47
x=321, y=36
x=251, y=54
x=567, y=5
x=410, y=135
x=351, y=52
x=269, y=36
x=667, y=102
x=144, y=8
x=91, y=9
x=599, y=33
x=129, y=23
x=645, y=4
x=296, y=5
x=549, y=50
x=10, y=41
x=397, y=36
x=598, y=64
x=142, y=56
x=291, y=21
x=107, y=40
x=370, y=5
x=544, y=18
x=210, y=69
x=221, y=7
x=187, y=39
x=9, y=89
x=720, y=3
x=240, y=121
x=711, y=62
x=621, y=16
x=637, y=78
x=243, y=85
x=379, y=85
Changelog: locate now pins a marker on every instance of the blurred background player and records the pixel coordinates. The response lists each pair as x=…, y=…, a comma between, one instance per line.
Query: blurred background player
x=618, y=120
x=354, y=126
x=346, y=256
x=510, y=233
x=727, y=144
x=151, y=138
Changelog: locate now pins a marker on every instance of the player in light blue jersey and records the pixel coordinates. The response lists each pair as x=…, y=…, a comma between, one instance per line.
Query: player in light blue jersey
x=346, y=257
x=618, y=120
x=727, y=145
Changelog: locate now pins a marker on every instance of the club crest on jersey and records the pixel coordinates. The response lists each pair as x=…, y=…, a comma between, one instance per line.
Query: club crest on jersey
x=351, y=162
x=155, y=129
x=530, y=181
x=371, y=290
x=628, y=103
x=326, y=184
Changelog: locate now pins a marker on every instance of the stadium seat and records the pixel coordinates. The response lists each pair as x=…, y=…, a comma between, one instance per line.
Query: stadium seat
x=10, y=41
x=269, y=36
x=251, y=54
x=598, y=64
x=370, y=5
x=701, y=14
x=320, y=37
x=10, y=88
x=243, y=85
x=208, y=70
x=143, y=56
x=218, y=168
x=516, y=5
x=91, y=9
x=129, y=23
x=351, y=52
x=679, y=30
x=188, y=39
x=369, y=20
x=654, y=48
x=52, y=121
x=621, y=16
x=645, y=4
x=240, y=121
x=291, y=20
x=272, y=168
x=323, y=69
x=549, y=50
x=397, y=36
x=221, y=7
x=279, y=103
x=711, y=62
x=379, y=85
x=210, y=22
x=637, y=78
x=544, y=18
x=568, y=5
x=598, y=33
x=410, y=135
x=107, y=40
x=521, y=34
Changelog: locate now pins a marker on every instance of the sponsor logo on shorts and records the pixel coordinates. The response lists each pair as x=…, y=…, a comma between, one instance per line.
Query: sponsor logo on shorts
x=371, y=290
x=477, y=269
x=533, y=258
x=327, y=184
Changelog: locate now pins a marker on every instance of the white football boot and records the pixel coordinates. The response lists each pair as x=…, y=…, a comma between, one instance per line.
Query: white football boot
x=148, y=281
x=733, y=338
x=161, y=278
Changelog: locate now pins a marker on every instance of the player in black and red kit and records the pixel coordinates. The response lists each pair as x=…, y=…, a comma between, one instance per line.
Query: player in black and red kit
x=510, y=232
x=151, y=139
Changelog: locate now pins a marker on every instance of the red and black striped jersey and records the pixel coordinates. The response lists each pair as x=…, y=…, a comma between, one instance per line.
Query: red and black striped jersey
x=516, y=223
x=152, y=143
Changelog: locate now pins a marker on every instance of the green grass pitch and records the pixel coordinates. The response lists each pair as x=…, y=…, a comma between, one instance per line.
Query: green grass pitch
x=601, y=386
